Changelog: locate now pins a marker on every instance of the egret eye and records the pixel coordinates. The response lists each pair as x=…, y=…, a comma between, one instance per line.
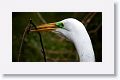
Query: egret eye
x=59, y=24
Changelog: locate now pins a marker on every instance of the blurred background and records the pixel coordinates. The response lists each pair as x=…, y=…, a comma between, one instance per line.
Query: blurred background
x=57, y=49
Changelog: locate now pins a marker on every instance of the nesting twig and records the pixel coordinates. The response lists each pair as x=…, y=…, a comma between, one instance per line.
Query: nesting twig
x=42, y=50
x=41, y=18
x=27, y=29
x=21, y=44
x=88, y=18
x=96, y=29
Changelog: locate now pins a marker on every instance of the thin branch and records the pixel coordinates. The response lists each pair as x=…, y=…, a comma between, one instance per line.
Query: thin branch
x=25, y=31
x=87, y=19
x=41, y=18
x=43, y=51
x=21, y=44
x=95, y=30
x=90, y=18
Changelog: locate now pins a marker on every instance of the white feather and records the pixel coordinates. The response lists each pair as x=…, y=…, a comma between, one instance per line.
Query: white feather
x=76, y=32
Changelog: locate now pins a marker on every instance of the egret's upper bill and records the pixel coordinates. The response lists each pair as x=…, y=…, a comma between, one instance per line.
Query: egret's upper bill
x=48, y=27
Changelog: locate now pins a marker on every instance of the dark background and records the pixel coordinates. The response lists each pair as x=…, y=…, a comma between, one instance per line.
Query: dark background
x=58, y=49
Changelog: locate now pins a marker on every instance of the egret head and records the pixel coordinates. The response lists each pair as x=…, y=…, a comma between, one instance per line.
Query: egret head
x=67, y=27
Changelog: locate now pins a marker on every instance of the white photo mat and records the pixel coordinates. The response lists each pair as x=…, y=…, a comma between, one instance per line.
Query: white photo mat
x=104, y=67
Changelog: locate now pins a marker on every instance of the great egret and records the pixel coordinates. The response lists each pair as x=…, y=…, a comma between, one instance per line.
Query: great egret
x=76, y=32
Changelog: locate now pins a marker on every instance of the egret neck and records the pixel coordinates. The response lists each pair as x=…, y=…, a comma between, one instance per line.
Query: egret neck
x=84, y=47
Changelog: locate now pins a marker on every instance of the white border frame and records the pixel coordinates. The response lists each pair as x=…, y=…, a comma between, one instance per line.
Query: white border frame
x=104, y=67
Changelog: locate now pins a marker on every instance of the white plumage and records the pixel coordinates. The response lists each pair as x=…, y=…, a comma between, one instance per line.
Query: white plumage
x=76, y=32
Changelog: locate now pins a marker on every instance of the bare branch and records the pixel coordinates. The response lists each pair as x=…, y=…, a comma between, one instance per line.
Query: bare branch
x=95, y=30
x=87, y=19
x=21, y=44
x=41, y=18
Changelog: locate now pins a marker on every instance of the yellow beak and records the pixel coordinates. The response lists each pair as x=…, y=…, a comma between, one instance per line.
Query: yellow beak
x=45, y=27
